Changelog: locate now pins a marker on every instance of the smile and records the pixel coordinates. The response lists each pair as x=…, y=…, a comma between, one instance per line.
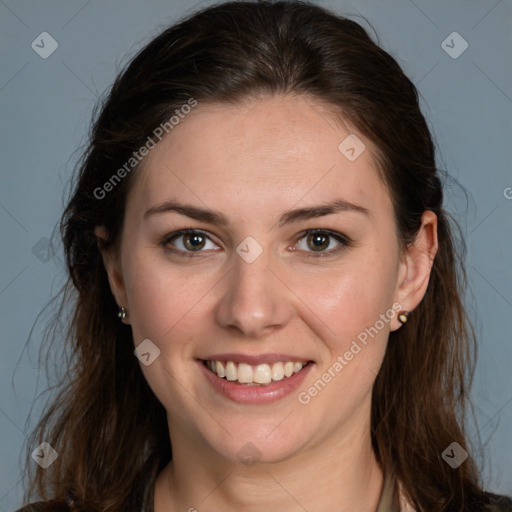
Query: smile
x=260, y=374
x=256, y=383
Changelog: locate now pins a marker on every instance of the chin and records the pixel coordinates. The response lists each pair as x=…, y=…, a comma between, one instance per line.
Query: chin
x=261, y=444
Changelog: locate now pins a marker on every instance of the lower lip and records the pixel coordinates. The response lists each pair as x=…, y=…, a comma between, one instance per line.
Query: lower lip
x=256, y=394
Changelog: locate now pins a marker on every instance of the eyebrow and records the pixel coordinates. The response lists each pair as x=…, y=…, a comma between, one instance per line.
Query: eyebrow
x=217, y=218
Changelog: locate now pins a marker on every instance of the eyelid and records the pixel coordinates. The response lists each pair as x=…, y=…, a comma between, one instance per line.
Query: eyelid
x=176, y=234
x=342, y=239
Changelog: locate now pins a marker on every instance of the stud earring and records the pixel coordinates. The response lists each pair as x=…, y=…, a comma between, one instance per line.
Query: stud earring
x=403, y=317
x=122, y=313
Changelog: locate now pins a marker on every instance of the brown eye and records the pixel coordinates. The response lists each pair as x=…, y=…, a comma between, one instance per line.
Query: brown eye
x=188, y=241
x=318, y=241
x=193, y=241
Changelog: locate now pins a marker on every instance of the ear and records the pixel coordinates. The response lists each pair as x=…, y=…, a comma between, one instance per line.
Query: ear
x=415, y=267
x=113, y=269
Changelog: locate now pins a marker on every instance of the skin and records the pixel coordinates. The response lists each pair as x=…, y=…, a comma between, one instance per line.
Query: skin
x=252, y=162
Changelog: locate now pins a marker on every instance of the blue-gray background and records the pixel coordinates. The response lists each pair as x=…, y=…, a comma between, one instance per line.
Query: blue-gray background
x=46, y=106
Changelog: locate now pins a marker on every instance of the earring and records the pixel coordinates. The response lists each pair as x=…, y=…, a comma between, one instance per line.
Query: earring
x=122, y=313
x=403, y=317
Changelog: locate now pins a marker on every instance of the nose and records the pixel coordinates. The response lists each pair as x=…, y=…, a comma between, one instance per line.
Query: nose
x=254, y=301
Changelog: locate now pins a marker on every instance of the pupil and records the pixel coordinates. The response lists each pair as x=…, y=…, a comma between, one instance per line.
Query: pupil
x=321, y=239
x=194, y=240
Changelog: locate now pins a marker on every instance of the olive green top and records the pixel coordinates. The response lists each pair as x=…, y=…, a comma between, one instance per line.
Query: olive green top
x=388, y=499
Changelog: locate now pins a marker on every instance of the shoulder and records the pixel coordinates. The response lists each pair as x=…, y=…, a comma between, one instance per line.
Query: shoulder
x=499, y=503
x=141, y=498
x=489, y=502
x=45, y=506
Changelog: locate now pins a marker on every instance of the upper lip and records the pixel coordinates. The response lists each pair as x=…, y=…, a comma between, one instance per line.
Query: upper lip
x=255, y=359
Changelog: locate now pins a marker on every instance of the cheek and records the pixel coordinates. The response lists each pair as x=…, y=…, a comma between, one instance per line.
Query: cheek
x=347, y=315
x=353, y=297
x=352, y=314
x=164, y=308
x=162, y=299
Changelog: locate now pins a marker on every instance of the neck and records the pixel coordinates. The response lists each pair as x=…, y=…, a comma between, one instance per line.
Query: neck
x=343, y=476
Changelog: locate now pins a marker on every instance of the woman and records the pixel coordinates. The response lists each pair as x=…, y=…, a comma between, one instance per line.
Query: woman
x=260, y=217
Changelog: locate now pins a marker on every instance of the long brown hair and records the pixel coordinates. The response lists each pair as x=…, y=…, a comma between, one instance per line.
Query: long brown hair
x=106, y=423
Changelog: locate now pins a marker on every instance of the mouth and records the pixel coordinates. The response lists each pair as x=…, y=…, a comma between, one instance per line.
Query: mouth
x=254, y=379
x=262, y=374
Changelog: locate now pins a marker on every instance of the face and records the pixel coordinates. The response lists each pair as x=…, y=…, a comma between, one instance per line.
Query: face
x=267, y=277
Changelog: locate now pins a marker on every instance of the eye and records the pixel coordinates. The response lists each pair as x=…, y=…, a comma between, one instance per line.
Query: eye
x=318, y=240
x=187, y=241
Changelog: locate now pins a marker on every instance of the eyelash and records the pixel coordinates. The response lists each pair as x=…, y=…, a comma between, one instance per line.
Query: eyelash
x=343, y=240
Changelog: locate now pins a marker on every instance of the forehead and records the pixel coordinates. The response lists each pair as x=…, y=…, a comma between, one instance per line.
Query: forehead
x=264, y=152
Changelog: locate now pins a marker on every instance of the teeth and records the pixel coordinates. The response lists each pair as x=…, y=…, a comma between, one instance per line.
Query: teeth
x=277, y=371
x=262, y=374
x=288, y=369
x=219, y=369
x=245, y=373
x=230, y=370
x=258, y=374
